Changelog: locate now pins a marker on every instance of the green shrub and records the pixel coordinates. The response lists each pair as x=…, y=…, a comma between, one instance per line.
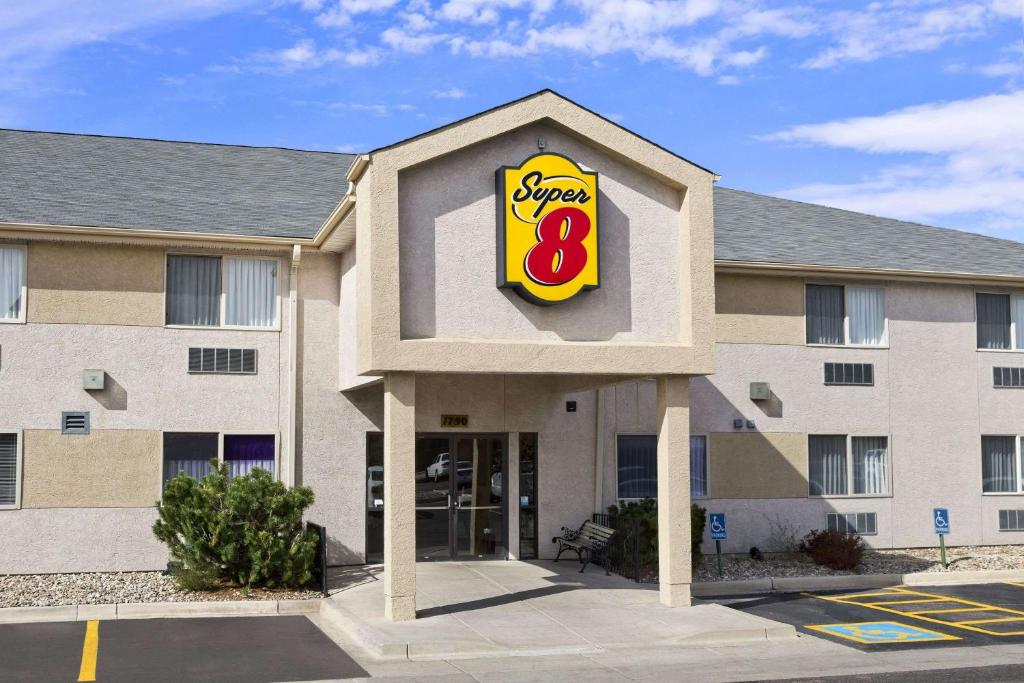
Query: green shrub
x=698, y=519
x=247, y=530
x=645, y=512
x=833, y=549
x=194, y=579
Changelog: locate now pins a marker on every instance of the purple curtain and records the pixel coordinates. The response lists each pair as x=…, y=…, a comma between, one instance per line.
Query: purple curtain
x=242, y=452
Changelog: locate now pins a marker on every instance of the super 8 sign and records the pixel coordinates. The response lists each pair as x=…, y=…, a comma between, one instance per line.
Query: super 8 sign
x=547, y=229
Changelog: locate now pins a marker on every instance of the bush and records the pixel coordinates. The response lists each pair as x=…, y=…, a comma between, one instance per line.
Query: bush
x=833, y=549
x=194, y=579
x=645, y=512
x=247, y=530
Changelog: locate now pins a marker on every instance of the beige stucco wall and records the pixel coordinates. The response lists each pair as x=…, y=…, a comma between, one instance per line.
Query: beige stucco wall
x=758, y=465
x=448, y=247
x=99, y=284
x=105, y=468
x=752, y=309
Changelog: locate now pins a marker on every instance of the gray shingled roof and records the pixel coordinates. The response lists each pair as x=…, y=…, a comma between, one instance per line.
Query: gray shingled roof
x=90, y=180
x=753, y=227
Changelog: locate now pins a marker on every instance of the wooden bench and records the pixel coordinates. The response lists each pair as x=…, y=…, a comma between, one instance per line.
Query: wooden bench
x=590, y=539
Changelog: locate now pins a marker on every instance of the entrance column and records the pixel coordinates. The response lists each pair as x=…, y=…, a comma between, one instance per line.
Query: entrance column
x=674, y=570
x=400, y=496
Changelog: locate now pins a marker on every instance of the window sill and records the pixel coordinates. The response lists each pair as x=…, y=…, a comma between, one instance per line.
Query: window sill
x=880, y=347
x=1002, y=494
x=234, y=328
x=12, y=321
x=1000, y=350
x=852, y=496
x=4, y=508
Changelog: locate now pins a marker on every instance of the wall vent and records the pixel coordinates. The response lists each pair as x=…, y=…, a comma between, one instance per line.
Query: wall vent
x=203, y=360
x=850, y=374
x=1011, y=520
x=863, y=523
x=74, y=422
x=1008, y=378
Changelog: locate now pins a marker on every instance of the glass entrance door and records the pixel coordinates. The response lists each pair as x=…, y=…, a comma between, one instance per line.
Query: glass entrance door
x=479, y=510
x=460, y=506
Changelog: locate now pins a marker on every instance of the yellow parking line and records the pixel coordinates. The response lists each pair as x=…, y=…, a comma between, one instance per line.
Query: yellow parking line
x=992, y=621
x=951, y=611
x=1015, y=583
x=90, y=647
x=982, y=607
x=901, y=602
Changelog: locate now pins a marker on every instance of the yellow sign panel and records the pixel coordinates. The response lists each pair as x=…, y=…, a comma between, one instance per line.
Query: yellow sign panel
x=547, y=229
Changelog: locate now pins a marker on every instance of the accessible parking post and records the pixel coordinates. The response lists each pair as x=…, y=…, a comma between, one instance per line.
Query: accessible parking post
x=718, y=534
x=940, y=516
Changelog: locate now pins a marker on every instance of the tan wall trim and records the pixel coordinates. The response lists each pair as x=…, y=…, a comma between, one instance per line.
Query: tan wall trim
x=758, y=465
x=106, y=468
x=29, y=230
x=94, y=284
x=753, y=309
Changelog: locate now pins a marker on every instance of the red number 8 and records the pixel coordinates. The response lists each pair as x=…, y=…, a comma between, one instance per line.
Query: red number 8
x=557, y=258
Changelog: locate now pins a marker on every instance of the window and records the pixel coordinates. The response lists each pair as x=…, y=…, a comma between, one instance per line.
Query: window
x=244, y=452
x=1008, y=378
x=863, y=523
x=203, y=291
x=845, y=315
x=191, y=452
x=10, y=471
x=832, y=473
x=1011, y=520
x=1000, y=465
x=1000, y=321
x=74, y=422
x=222, y=361
x=850, y=374
x=638, y=466
x=12, y=283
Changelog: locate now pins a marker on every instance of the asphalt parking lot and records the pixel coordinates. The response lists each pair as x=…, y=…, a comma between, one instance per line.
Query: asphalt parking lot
x=250, y=649
x=900, y=617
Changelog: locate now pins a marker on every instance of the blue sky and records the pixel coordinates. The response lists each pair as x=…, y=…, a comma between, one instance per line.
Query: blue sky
x=905, y=108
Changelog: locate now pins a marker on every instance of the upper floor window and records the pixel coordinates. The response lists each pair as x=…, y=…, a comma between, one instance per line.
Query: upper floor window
x=845, y=315
x=12, y=283
x=1000, y=460
x=1000, y=321
x=214, y=291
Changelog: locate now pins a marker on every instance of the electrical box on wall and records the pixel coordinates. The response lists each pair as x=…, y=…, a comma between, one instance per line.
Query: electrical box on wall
x=93, y=380
x=760, y=391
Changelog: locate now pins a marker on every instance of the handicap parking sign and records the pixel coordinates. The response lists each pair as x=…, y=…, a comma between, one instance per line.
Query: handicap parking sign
x=941, y=518
x=717, y=526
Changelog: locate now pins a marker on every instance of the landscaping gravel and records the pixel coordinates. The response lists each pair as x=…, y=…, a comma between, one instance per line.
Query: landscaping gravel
x=905, y=561
x=43, y=590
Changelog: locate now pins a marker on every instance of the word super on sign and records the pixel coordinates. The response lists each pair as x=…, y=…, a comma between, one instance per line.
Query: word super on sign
x=547, y=229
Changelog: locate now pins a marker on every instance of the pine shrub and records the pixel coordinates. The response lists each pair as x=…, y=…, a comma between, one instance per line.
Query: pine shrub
x=247, y=530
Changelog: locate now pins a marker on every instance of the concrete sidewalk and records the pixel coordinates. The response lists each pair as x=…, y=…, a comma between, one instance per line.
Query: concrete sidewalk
x=501, y=609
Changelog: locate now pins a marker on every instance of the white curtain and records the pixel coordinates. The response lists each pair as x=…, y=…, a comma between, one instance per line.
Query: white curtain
x=998, y=464
x=827, y=466
x=250, y=288
x=12, y=279
x=1018, y=319
x=865, y=307
x=698, y=466
x=870, y=464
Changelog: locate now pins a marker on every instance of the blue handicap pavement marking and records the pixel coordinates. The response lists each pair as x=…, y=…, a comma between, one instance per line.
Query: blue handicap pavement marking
x=717, y=526
x=877, y=632
x=941, y=518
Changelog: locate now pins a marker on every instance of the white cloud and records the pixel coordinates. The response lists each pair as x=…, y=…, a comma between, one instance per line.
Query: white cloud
x=964, y=156
x=378, y=109
x=340, y=12
x=411, y=42
x=452, y=93
x=304, y=54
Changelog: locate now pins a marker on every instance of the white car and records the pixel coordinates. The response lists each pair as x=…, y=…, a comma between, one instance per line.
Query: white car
x=374, y=487
x=438, y=468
